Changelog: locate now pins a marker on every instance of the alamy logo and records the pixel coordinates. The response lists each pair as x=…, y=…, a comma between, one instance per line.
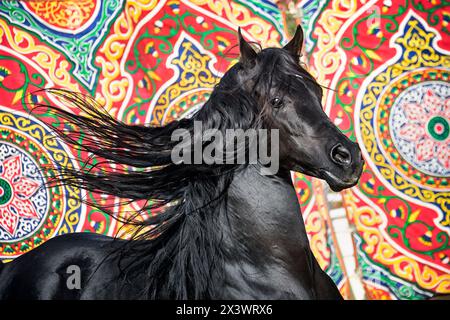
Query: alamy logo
x=74, y=279
x=236, y=146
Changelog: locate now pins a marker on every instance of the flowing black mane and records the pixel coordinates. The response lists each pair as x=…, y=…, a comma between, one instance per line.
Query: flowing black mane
x=191, y=194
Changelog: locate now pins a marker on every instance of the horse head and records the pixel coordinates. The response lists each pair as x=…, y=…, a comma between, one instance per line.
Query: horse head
x=290, y=99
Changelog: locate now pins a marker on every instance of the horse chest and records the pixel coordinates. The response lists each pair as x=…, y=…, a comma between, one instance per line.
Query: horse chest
x=267, y=244
x=271, y=281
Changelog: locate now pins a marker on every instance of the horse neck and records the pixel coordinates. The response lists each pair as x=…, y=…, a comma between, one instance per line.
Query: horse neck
x=264, y=217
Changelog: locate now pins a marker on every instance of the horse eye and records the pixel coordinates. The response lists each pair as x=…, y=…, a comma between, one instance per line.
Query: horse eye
x=276, y=102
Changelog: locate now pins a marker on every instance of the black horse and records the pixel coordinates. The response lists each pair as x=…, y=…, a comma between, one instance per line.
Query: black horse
x=224, y=231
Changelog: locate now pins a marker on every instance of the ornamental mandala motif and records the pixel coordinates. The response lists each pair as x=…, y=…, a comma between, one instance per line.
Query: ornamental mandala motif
x=420, y=129
x=410, y=127
x=30, y=212
x=408, y=118
x=23, y=201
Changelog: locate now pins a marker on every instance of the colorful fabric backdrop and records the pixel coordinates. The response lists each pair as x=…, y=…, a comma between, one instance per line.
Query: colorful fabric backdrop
x=155, y=61
x=389, y=62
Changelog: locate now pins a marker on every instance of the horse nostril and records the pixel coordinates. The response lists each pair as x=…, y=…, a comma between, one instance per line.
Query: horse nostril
x=340, y=155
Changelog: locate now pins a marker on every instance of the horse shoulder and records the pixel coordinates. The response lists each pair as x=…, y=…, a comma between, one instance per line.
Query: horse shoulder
x=58, y=269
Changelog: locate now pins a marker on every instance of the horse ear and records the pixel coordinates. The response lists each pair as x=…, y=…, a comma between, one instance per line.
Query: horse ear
x=248, y=54
x=295, y=45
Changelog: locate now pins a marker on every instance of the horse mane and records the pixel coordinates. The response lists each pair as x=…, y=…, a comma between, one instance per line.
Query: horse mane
x=180, y=246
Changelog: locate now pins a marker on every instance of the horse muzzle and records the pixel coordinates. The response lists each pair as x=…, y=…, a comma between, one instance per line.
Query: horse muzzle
x=347, y=166
x=337, y=184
